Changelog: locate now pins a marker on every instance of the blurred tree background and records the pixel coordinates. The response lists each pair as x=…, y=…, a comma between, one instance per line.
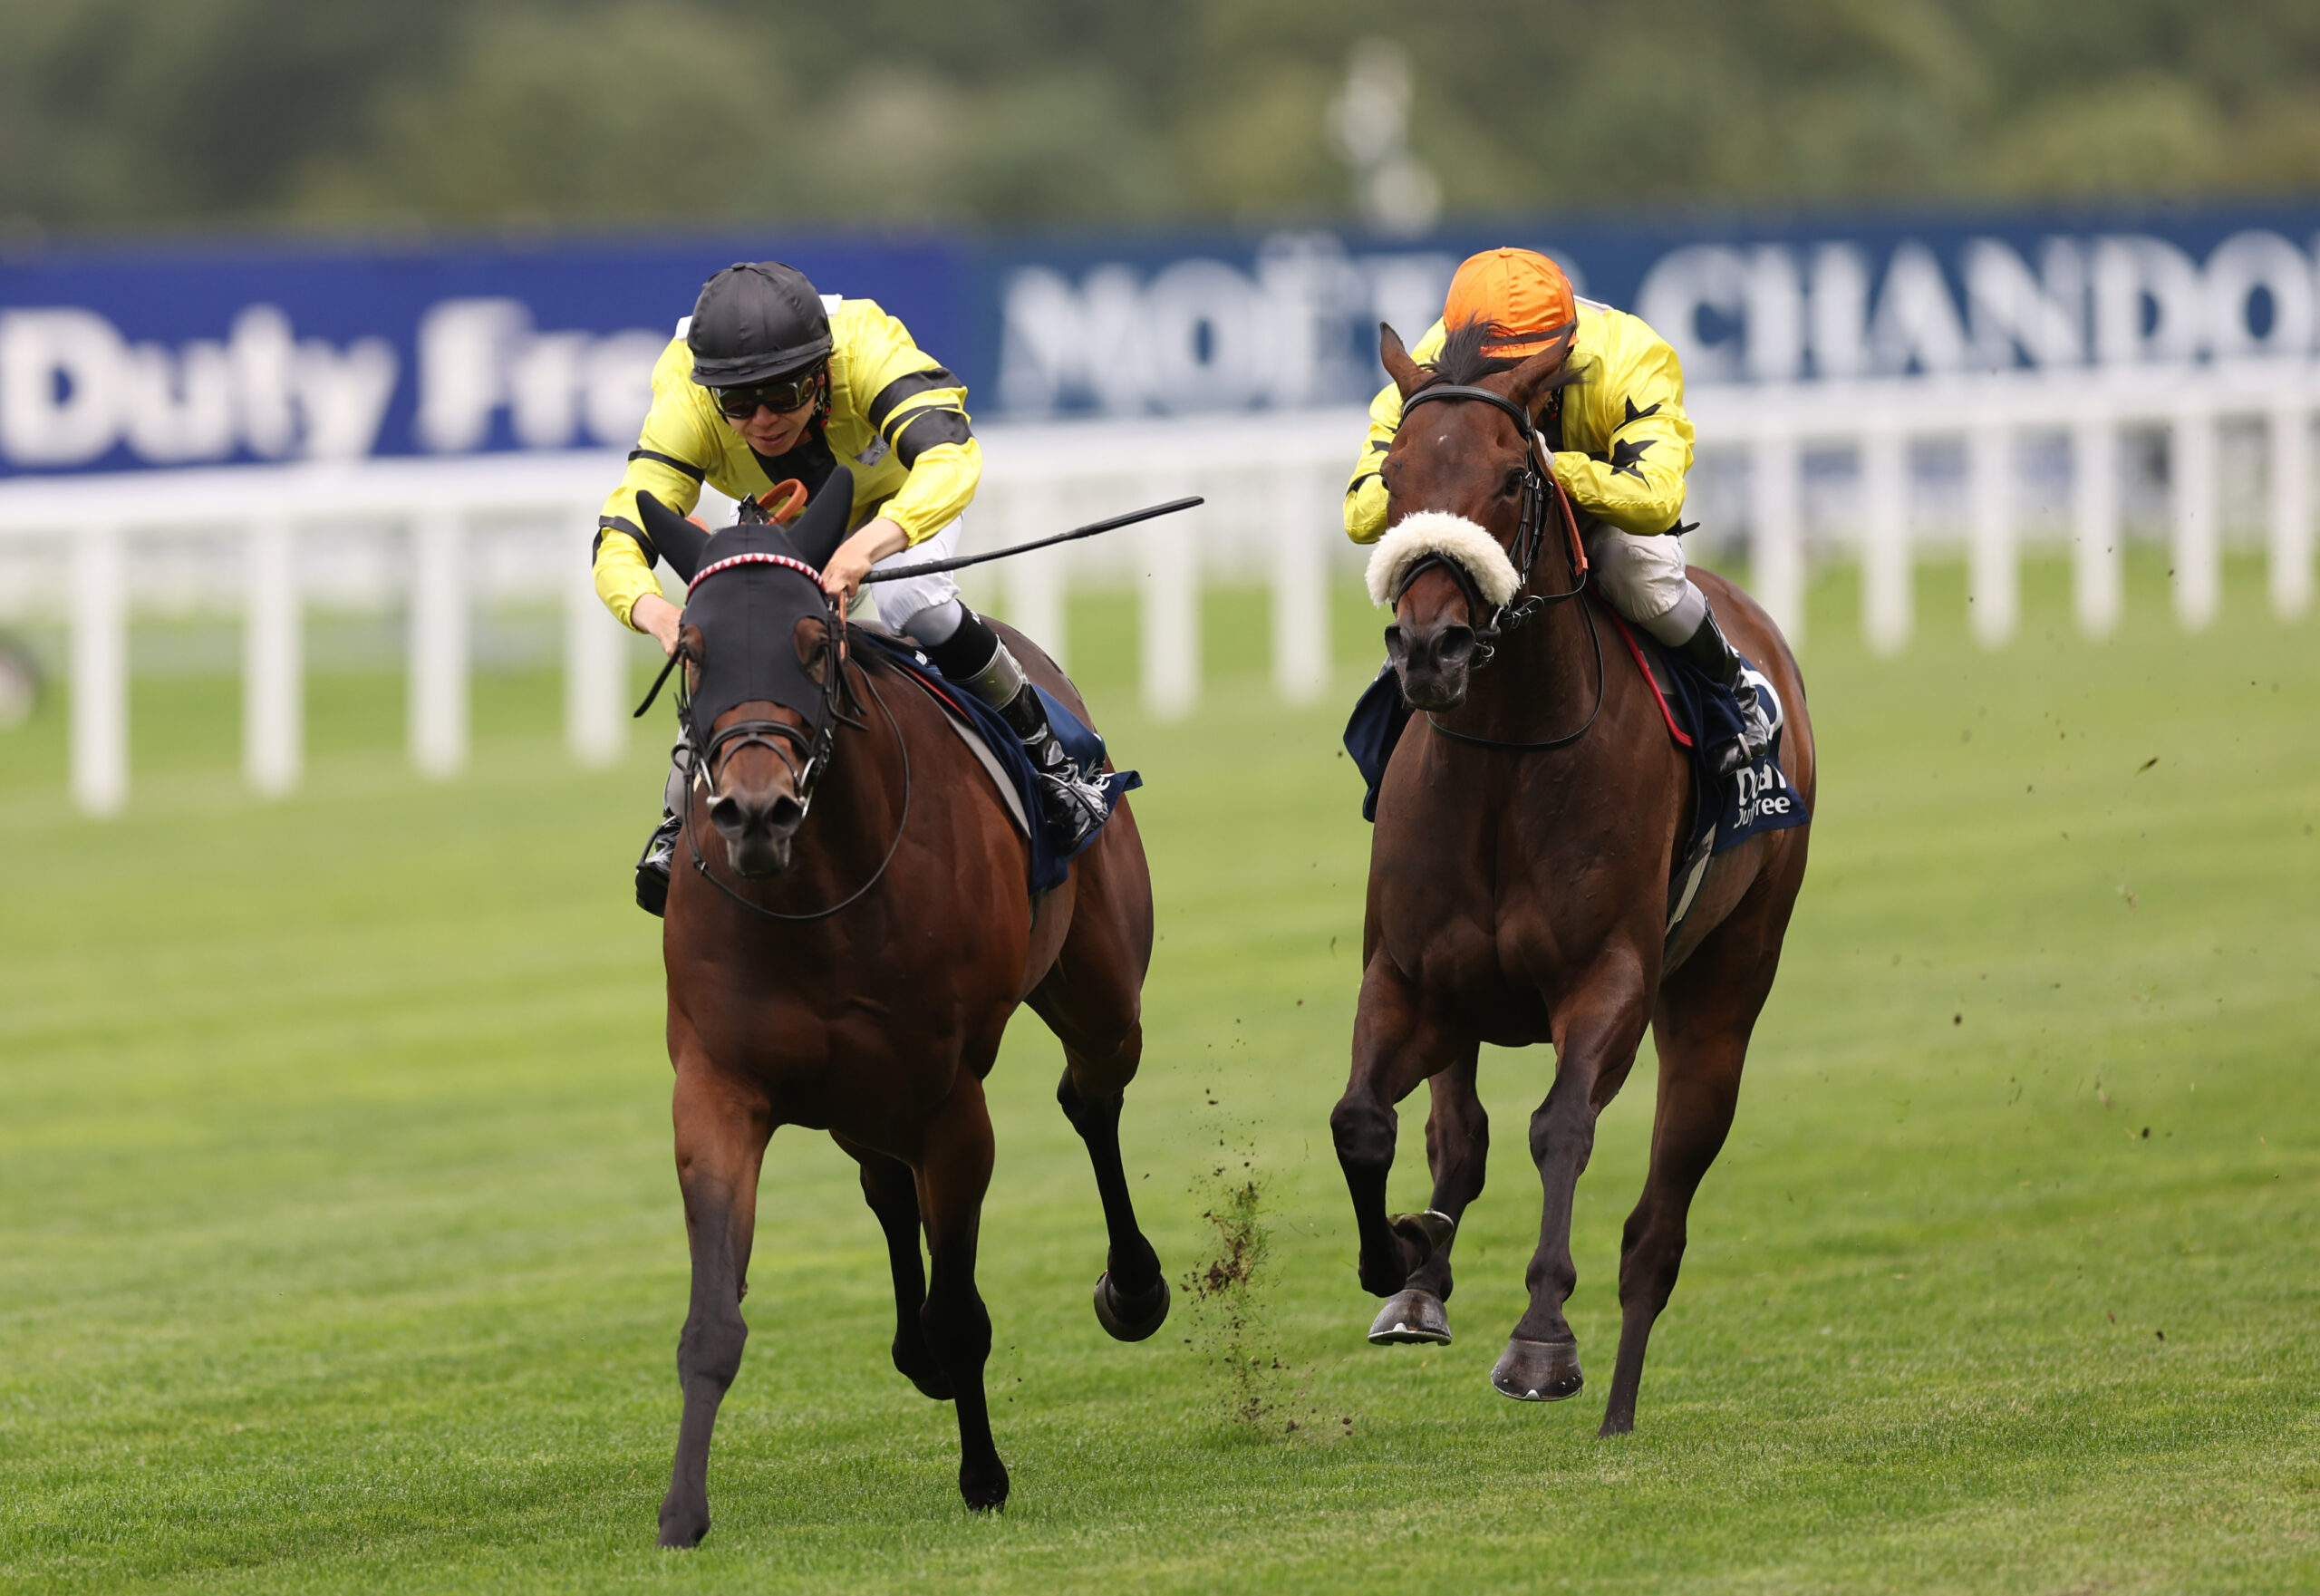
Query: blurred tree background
x=353, y=116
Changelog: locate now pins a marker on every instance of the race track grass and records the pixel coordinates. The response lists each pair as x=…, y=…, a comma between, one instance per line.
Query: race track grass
x=340, y=1248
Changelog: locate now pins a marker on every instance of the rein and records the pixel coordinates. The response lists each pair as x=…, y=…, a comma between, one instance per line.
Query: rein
x=692, y=840
x=1539, y=488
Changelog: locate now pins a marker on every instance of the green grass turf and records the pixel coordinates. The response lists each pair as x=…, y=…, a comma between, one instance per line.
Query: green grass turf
x=340, y=1248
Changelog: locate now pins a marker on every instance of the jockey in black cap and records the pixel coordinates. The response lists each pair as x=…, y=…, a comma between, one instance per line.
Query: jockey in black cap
x=769, y=382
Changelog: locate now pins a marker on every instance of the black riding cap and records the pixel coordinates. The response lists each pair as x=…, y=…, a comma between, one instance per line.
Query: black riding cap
x=756, y=321
x=751, y=585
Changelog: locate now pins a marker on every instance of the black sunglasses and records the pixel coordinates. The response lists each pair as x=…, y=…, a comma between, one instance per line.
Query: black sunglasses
x=781, y=395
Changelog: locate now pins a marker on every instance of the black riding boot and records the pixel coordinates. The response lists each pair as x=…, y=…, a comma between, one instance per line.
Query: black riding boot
x=1760, y=711
x=973, y=658
x=661, y=850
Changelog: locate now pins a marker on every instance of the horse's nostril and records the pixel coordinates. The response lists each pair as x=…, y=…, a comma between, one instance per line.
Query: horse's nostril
x=785, y=814
x=725, y=814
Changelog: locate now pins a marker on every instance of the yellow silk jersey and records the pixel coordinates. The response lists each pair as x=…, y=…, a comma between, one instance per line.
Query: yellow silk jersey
x=1626, y=444
x=897, y=421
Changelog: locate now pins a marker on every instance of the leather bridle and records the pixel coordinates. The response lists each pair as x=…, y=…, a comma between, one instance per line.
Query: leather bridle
x=1540, y=488
x=806, y=752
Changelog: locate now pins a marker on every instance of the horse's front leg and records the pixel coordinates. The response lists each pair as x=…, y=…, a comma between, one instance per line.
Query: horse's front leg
x=1396, y=1043
x=722, y=1125
x=1597, y=1027
x=1457, y=1150
x=953, y=1173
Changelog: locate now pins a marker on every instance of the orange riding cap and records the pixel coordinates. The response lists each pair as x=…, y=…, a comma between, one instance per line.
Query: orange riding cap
x=1519, y=291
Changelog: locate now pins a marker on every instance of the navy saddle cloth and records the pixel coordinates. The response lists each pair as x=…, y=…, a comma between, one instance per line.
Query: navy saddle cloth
x=1051, y=852
x=1734, y=807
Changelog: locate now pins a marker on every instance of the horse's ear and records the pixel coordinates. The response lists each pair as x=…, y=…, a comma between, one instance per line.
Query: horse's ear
x=681, y=542
x=1543, y=371
x=1407, y=373
x=817, y=533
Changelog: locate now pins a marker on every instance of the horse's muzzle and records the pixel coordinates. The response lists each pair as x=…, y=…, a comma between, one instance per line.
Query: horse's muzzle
x=758, y=829
x=1433, y=662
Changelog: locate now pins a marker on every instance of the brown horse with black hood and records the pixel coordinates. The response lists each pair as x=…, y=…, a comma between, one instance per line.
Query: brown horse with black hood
x=1526, y=829
x=849, y=927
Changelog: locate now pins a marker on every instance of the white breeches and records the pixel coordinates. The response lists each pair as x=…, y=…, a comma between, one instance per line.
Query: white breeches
x=1645, y=581
x=899, y=603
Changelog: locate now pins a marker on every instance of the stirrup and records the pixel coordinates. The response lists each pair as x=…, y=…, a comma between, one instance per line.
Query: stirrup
x=1073, y=804
x=1762, y=717
x=653, y=865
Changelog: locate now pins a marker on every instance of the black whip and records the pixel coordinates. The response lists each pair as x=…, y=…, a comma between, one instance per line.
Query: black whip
x=1093, y=527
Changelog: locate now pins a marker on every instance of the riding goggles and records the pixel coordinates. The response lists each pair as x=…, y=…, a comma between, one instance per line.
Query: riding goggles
x=781, y=395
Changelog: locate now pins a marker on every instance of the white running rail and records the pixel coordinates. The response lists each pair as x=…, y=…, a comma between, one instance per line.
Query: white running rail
x=1274, y=482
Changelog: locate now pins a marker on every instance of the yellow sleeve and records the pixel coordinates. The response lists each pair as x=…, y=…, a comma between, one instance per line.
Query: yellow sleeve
x=670, y=460
x=919, y=410
x=1365, y=495
x=1637, y=482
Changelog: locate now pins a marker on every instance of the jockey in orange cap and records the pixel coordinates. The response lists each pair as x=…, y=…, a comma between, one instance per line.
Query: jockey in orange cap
x=1621, y=445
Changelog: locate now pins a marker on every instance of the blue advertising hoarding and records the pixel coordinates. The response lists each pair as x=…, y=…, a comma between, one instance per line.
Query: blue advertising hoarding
x=122, y=360
x=116, y=360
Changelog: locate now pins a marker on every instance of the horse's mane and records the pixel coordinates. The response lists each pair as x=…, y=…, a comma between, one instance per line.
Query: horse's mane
x=1464, y=363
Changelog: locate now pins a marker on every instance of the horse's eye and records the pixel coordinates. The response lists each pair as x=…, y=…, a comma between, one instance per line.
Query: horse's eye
x=1512, y=484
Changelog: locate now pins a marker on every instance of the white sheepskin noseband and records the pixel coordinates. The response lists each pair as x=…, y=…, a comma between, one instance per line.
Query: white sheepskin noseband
x=1462, y=542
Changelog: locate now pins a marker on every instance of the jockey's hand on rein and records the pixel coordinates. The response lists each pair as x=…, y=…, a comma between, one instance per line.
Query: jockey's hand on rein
x=842, y=577
x=659, y=619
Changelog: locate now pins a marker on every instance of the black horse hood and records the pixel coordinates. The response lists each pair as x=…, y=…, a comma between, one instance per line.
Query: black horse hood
x=751, y=585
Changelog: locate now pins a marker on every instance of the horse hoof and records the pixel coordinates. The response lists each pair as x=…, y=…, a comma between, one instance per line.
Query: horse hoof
x=1537, y=1371
x=1411, y=1315
x=1127, y=1318
x=985, y=1490
x=682, y=1528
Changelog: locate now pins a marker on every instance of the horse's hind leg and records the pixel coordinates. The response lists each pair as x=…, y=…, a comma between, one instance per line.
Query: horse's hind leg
x=1131, y=1294
x=722, y=1128
x=1707, y=1011
x=1091, y=1000
x=953, y=1173
x=892, y=1192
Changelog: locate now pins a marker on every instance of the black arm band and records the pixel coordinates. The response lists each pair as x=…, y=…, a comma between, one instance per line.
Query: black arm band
x=902, y=387
x=698, y=473
x=922, y=429
x=627, y=527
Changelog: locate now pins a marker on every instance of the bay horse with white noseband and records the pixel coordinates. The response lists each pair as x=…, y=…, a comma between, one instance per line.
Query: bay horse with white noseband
x=1526, y=828
x=848, y=958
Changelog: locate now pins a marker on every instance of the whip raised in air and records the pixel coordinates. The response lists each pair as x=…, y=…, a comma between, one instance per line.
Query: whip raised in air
x=1148, y=513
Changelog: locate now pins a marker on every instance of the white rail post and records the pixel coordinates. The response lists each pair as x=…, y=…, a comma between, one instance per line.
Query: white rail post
x=595, y=656
x=1776, y=535
x=273, y=661
x=2097, y=566
x=2196, y=546
x=1035, y=604
x=99, y=672
x=1171, y=640
x=439, y=644
x=1994, y=585
x=1886, y=597
x=2291, y=539
x=1301, y=585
